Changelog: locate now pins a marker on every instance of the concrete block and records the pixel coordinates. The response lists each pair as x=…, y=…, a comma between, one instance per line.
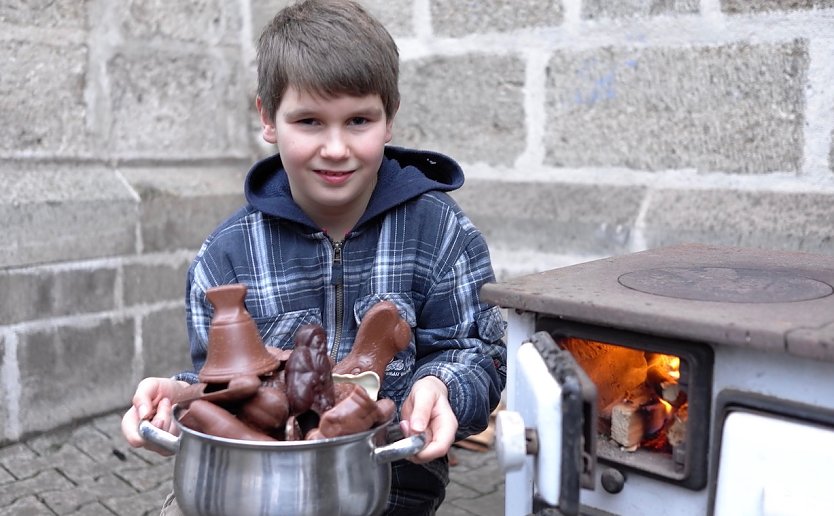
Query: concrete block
x=396, y=15
x=198, y=21
x=31, y=73
x=178, y=105
x=831, y=154
x=43, y=293
x=758, y=6
x=64, y=213
x=155, y=280
x=181, y=206
x=455, y=18
x=262, y=12
x=72, y=372
x=66, y=14
x=552, y=217
x=799, y=221
x=734, y=108
x=470, y=107
x=592, y=9
x=5, y=382
x=165, y=343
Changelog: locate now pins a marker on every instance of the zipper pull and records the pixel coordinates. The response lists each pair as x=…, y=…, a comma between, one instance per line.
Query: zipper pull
x=337, y=263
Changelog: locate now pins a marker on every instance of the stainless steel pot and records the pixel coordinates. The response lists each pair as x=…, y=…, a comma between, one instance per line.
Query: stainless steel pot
x=348, y=475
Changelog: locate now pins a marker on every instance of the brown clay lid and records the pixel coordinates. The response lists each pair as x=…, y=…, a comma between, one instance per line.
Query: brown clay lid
x=234, y=346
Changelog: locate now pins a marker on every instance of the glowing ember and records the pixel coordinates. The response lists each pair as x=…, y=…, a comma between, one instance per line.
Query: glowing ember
x=639, y=399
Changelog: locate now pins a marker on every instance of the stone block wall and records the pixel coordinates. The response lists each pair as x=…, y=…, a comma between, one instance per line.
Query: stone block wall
x=587, y=128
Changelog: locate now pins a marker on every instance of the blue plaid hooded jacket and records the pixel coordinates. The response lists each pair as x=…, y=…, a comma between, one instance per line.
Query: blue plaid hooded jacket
x=413, y=246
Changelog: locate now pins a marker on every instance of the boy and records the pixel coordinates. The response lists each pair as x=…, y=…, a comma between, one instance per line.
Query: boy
x=336, y=222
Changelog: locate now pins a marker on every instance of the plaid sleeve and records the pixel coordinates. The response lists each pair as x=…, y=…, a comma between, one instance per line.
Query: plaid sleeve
x=459, y=339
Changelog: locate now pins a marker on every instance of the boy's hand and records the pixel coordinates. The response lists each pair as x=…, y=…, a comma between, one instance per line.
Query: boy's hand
x=427, y=410
x=152, y=402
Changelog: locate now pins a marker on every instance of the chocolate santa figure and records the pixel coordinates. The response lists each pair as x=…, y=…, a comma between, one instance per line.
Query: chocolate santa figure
x=308, y=377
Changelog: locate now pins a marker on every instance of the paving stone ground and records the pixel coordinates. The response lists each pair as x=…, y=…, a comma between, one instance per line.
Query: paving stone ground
x=89, y=470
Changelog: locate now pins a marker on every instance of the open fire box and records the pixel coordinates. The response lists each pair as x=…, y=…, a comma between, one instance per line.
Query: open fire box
x=686, y=380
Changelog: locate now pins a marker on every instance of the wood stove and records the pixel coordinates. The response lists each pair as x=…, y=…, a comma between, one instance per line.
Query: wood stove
x=683, y=380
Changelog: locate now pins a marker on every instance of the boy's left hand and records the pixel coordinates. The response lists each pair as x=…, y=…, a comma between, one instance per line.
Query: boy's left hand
x=427, y=410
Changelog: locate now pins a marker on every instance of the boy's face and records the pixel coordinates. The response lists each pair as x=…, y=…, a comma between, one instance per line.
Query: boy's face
x=331, y=149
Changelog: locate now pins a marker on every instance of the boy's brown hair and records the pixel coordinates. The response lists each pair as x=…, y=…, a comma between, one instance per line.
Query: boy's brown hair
x=327, y=48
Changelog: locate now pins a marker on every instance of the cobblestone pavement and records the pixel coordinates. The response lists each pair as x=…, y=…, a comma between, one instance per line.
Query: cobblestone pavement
x=89, y=470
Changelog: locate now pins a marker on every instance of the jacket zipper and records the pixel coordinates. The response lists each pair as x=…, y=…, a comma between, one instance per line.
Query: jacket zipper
x=337, y=280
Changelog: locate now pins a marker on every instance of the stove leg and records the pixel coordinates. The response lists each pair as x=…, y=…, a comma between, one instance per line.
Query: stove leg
x=518, y=486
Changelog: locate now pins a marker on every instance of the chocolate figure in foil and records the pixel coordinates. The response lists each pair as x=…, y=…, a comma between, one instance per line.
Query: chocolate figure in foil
x=308, y=377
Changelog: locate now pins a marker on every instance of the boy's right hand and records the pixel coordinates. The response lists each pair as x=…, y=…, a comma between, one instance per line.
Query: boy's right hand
x=152, y=402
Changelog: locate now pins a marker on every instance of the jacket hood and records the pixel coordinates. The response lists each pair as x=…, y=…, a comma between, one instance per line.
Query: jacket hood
x=403, y=175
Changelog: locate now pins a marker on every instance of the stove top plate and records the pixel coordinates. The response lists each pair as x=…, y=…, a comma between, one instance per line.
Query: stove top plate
x=726, y=284
x=772, y=300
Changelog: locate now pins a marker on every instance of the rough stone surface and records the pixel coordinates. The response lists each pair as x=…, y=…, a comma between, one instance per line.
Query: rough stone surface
x=42, y=293
x=165, y=343
x=757, y=6
x=592, y=9
x=460, y=17
x=262, y=12
x=32, y=72
x=735, y=108
x=181, y=206
x=155, y=281
x=396, y=15
x=93, y=471
x=198, y=21
x=71, y=372
x=480, y=119
x=4, y=401
x=831, y=154
x=191, y=105
x=64, y=213
x=775, y=220
x=45, y=14
x=10, y=493
x=552, y=217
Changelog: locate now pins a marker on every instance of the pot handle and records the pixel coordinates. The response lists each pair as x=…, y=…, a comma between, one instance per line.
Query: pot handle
x=400, y=449
x=157, y=439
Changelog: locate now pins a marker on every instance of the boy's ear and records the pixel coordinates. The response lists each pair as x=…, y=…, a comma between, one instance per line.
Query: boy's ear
x=267, y=122
x=389, y=125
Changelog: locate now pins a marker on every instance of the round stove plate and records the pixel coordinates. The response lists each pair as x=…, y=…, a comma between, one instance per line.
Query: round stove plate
x=726, y=284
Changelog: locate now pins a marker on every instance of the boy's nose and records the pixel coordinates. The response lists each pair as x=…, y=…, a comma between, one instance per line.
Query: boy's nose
x=335, y=146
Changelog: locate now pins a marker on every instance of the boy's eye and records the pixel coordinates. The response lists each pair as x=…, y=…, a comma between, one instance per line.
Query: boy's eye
x=307, y=121
x=358, y=120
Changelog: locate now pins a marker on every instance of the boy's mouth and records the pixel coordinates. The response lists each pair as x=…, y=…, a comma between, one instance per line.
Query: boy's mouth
x=334, y=176
x=333, y=173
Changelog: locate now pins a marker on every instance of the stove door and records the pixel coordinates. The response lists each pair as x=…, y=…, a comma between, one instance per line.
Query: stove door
x=546, y=439
x=772, y=466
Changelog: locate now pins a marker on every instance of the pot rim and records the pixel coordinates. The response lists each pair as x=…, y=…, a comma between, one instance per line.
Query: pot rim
x=281, y=445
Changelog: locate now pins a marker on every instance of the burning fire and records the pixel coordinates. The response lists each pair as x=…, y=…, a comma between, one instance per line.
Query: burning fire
x=640, y=400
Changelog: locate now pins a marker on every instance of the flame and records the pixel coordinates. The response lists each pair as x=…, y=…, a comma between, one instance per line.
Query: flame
x=674, y=367
x=646, y=380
